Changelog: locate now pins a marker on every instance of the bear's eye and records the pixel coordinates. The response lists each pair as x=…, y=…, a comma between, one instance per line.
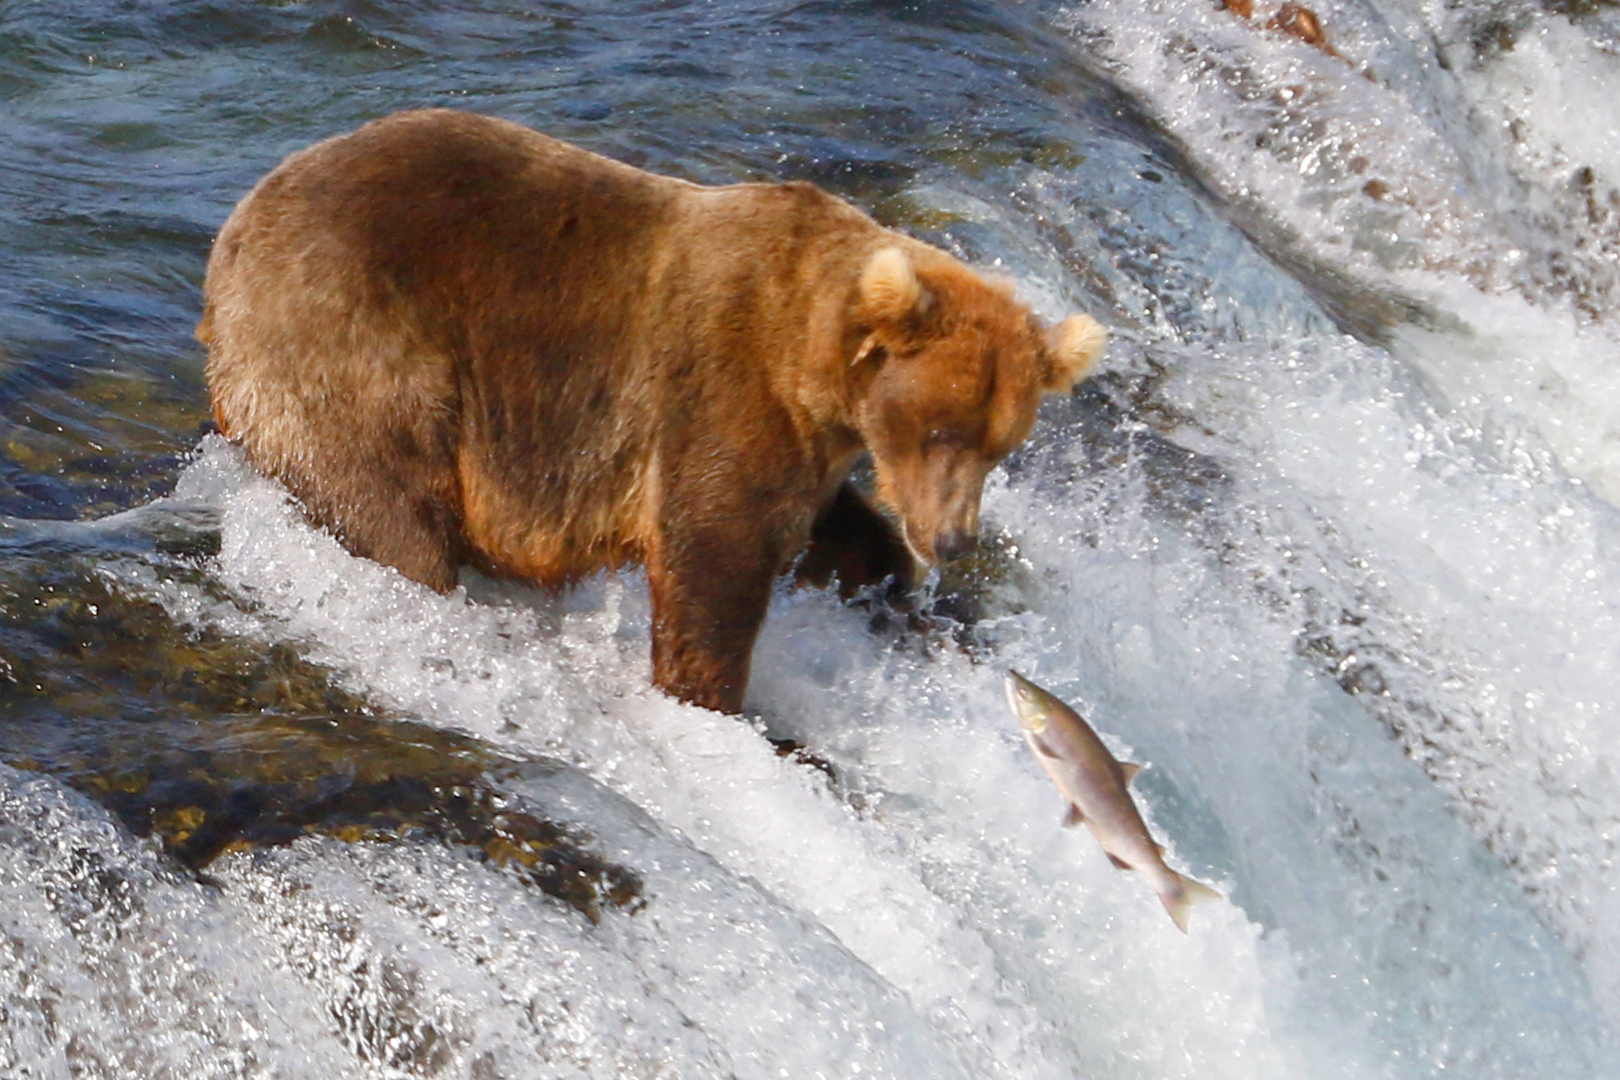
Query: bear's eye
x=945, y=437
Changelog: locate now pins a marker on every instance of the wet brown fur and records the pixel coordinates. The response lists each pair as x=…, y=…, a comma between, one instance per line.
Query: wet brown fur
x=457, y=340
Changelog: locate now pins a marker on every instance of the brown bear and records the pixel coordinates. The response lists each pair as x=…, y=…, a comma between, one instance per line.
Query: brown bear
x=458, y=341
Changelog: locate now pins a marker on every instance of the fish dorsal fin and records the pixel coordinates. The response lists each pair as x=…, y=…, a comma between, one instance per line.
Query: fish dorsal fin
x=1130, y=770
x=1073, y=817
x=1119, y=863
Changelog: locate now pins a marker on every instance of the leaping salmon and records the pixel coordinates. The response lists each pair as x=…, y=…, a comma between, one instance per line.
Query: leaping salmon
x=1096, y=785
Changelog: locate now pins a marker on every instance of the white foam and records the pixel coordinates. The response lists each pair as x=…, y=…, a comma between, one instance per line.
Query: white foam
x=1430, y=521
x=1020, y=946
x=1421, y=873
x=110, y=964
x=1555, y=87
x=1455, y=187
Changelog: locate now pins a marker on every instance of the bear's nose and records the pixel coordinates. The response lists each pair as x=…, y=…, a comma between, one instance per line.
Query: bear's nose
x=953, y=544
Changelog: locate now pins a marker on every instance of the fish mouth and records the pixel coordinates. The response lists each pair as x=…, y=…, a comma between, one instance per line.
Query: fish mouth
x=1029, y=719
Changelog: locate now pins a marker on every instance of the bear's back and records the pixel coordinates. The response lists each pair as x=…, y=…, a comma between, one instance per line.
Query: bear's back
x=446, y=209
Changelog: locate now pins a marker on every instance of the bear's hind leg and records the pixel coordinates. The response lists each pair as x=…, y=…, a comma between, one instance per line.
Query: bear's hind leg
x=419, y=535
x=401, y=509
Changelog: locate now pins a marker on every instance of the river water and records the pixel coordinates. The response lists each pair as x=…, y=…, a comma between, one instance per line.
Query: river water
x=1331, y=544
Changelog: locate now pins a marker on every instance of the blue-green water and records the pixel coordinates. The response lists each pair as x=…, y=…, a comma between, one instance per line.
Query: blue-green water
x=1330, y=543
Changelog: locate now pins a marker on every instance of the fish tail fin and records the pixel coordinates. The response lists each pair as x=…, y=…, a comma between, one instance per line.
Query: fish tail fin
x=1178, y=901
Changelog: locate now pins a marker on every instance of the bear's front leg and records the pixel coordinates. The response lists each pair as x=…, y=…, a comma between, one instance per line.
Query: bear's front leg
x=710, y=588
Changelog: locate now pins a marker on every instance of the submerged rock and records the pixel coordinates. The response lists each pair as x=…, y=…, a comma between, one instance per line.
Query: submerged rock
x=217, y=745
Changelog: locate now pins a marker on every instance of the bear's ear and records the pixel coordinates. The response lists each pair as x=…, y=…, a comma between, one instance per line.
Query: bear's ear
x=1073, y=347
x=890, y=290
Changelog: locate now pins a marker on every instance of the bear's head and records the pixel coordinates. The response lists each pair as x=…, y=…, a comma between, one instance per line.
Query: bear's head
x=958, y=367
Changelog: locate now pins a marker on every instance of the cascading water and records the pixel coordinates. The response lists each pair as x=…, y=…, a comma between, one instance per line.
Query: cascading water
x=1331, y=545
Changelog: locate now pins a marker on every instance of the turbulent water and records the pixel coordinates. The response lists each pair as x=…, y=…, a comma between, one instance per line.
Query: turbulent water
x=1331, y=544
